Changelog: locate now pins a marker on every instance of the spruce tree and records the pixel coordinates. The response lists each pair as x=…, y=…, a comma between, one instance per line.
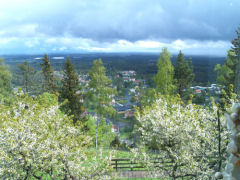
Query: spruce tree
x=183, y=74
x=49, y=81
x=164, y=77
x=27, y=73
x=71, y=91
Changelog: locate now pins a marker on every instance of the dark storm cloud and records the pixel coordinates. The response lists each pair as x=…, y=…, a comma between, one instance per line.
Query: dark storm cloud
x=110, y=20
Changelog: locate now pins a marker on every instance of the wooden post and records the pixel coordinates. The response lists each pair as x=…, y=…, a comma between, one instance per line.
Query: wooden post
x=116, y=164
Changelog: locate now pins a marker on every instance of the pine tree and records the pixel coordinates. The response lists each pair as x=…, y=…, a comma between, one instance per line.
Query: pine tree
x=5, y=79
x=71, y=91
x=183, y=74
x=49, y=82
x=164, y=78
x=27, y=73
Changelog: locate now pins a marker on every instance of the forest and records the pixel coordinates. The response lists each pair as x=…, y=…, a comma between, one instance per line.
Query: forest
x=143, y=63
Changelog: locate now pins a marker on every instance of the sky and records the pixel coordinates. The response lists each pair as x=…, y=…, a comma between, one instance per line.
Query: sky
x=204, y=27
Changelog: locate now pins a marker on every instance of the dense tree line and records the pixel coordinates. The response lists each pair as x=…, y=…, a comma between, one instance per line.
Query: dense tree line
x=174, y=80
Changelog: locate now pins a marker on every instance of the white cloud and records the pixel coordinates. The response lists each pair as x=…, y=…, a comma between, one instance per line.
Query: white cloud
x=124, y=43
x=150, y=44
x=27, y=29
x=62, y=48
x=5, y=41
x=31, y=42
x=179, y=45
x=72, y=44
x=50, y=40
x=20, y=31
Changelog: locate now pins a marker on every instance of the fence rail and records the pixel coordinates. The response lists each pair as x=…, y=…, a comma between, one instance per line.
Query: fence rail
x=125, y=164
x=128, y=164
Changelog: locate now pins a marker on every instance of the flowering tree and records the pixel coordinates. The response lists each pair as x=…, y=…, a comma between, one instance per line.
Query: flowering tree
x=38, y=141
x=186, y=135
x=232, y=170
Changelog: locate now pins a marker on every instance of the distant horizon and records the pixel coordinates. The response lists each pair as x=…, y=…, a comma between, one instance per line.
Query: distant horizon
x=106, y=53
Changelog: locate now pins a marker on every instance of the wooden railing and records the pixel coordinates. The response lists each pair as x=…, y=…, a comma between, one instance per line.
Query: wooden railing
x=130, y=165
x=126, y=164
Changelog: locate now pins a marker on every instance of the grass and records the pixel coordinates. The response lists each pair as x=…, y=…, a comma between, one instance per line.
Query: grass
x=123, y=154
x=125, y=135
x=106, y=152
x=122, y=101
x=117, y=154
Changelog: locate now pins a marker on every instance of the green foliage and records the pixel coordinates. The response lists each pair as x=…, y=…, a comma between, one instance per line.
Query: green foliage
x=227, y=72
x=225, y=99
x=46, y=99
x=72, y=92
x=100, y=91
x=183, y=74
x=49, y=81
x=100, y=95
x=116, y=143
x=105, y=134
x=147, y=97
x=199, y=98
x=133, y=99
x=5, y=80
x=164, y=78
x=27, y=74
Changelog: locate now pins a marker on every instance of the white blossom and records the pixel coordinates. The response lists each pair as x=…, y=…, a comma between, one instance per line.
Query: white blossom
x=185, y=134
x=42, y=141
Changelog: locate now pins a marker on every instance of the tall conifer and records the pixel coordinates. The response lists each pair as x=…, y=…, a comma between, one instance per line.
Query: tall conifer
x=49, y=82
x=27, y=73
x=71, y=91
x=183, y=74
